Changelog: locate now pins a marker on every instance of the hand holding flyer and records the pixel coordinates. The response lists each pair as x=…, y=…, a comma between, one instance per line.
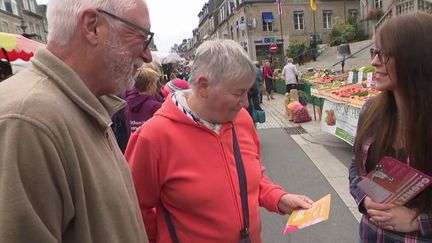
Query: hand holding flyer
x=302, y=218
x=393, y=182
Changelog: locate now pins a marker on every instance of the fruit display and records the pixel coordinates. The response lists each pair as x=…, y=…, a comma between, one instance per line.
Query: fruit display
x=326, y=83
x=320, y=76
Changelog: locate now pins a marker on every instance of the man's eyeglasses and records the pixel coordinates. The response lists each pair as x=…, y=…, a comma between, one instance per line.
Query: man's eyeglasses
x=131, y=25
x=376, y=51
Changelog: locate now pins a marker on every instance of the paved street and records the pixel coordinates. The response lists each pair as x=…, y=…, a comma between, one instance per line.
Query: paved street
x=313, y=163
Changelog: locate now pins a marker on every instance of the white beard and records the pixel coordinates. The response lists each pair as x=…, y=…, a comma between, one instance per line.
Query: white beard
x=120, y=65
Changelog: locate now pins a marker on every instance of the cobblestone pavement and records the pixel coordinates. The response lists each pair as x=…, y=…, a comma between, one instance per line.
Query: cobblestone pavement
x=275, y=113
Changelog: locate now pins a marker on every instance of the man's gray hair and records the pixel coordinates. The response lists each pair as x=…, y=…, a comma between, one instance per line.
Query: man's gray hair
x=290, y=60
x=63, y=15
x=221, y=60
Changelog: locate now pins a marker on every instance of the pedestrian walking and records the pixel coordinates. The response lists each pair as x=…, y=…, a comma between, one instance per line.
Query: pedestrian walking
x=300, y=53
x=62, y=176
x=211, y=187
x=290, y=74
x=259, y=79
x=269, y=82
x=397, y=123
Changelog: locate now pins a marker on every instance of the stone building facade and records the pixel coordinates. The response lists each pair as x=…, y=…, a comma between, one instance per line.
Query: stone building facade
x=24, y=17
x=256, y=24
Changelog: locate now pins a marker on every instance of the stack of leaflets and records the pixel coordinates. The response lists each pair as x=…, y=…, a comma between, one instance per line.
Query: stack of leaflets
x=393, y=182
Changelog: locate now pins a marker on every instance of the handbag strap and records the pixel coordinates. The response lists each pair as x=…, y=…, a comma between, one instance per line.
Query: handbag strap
x=170, y=225
x=244, y=233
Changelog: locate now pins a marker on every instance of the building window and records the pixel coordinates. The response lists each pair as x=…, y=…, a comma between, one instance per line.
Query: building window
x=298, y=20
x=32, y=6
x=231, y=8
x=31, y=27
x=26, y=5
x=37, y=29
x=5, y=26
x=267, y=22
x=353, y=13
x=2, y=5
x=377, y=4
x=11, y=6
x=327, y=19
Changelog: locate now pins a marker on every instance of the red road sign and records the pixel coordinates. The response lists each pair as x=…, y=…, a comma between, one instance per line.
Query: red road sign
x=273, y=47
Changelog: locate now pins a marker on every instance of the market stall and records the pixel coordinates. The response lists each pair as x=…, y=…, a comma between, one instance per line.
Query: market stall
x=339, y=99
x=17, y=47
x=15, y=52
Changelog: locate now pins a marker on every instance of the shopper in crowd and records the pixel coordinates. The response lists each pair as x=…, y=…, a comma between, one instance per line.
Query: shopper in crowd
x=268, y=78
x=62, y=176
x=290, y=74
x=173, y=86
x=142, y=103
x=397, y=123
x=5, y=69
x=196, y=189
x=254, y=99
x=259, y=78
x=300, y=54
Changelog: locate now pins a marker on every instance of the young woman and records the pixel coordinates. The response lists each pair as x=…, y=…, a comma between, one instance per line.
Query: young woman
x=397, y=123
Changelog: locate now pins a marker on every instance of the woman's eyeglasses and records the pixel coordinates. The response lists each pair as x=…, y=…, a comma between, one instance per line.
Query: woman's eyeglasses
x=376, y=51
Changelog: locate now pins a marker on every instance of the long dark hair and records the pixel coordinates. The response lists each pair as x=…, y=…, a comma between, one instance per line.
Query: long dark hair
x=407, y=39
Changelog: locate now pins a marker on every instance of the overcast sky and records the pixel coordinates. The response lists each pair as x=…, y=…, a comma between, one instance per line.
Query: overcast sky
x=172, y=20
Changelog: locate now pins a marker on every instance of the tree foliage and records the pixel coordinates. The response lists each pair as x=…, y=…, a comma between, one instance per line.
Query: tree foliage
x=344, y=32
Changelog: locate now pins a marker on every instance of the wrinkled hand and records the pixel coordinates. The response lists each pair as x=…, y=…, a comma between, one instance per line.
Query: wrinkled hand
x=392, y=217
x=289, y=202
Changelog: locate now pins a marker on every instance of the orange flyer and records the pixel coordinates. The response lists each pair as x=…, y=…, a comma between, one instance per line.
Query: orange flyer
x=302, y=218
x=393, y=182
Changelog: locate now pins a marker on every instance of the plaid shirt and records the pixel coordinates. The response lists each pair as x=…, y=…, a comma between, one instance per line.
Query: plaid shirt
x=369, y=232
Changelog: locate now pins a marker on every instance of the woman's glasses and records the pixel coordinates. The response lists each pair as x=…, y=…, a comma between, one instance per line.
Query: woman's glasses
x=376, y=51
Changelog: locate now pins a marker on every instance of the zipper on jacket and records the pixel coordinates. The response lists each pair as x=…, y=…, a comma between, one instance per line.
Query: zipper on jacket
x=108, y=140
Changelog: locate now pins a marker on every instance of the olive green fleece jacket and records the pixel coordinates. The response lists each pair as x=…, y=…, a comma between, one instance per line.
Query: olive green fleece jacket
x=62, y=175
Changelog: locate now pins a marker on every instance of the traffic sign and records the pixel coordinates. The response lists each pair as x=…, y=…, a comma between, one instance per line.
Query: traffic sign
x=273, y=48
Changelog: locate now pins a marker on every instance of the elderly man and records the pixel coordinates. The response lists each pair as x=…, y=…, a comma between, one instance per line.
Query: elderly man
x=197, y=161
x=62, y=175
x=290, y=74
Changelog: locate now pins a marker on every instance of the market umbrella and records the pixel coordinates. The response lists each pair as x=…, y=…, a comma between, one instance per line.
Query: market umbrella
x=171, y=58
x=17, y=47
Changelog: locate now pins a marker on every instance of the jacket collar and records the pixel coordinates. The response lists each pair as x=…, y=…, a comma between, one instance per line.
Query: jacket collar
x=100, y=108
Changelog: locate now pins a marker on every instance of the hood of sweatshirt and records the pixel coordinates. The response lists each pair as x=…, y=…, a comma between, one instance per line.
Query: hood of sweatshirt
x=135, y=101
x=171, y=110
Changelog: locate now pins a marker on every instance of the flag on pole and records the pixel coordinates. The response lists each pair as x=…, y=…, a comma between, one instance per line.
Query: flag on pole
x=279, y=7
x=313, y=5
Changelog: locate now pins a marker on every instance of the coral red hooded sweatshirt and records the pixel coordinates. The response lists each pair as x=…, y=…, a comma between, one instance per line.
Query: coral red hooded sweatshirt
x=191, y=170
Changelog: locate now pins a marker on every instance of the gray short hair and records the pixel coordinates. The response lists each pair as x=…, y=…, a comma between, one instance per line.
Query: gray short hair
x=62, y=15
x=290, y=60
x=221, y=60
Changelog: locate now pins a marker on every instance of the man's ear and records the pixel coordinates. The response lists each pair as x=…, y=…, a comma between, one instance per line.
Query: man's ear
x=89, y=25
x=202, y=86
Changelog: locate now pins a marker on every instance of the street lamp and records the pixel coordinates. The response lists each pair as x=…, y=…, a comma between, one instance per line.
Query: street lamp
x=23, y=26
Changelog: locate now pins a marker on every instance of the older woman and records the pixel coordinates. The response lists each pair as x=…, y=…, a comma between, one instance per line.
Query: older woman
x=197, y=161
x=397, y=123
